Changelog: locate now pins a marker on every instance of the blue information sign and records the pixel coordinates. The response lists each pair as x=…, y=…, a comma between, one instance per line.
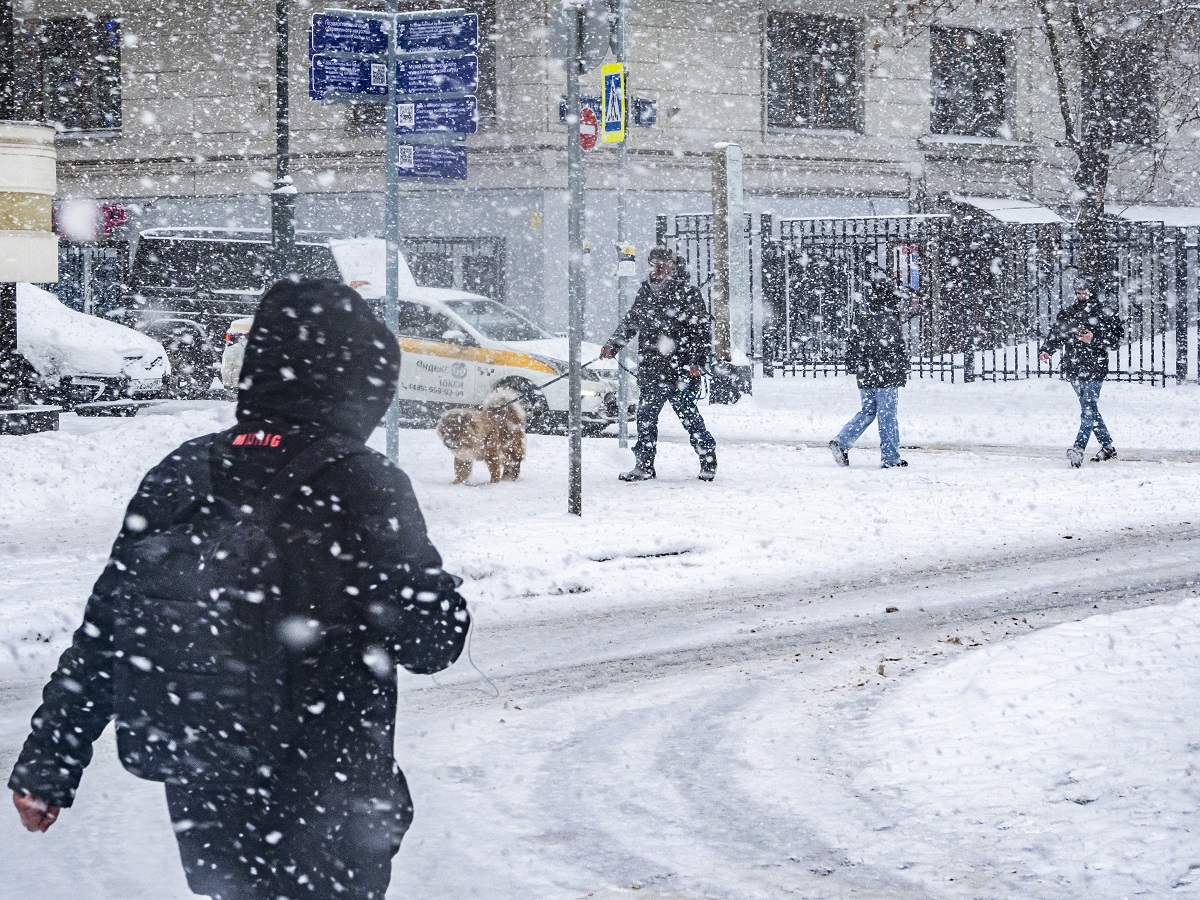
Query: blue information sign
x=347, y=34
x=438, y=75
x=432, y=161
x=454, y=114
x=331, y=74
x=454, y=34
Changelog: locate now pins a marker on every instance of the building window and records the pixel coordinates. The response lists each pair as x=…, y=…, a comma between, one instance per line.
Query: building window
x=969, y=78
x=69, y=73
x=813, y=77
x=1130, y=73
x=368, y=117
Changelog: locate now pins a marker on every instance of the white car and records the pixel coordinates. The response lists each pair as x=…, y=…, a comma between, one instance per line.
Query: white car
x=456, y=347
x=85, y=363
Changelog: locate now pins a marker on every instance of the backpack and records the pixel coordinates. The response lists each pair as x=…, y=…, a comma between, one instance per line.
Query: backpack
x=200, y=668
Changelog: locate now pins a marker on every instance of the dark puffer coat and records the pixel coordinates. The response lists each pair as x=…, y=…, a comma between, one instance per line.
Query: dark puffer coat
x=1084, y=361
x=362, y=577
x=875, y=350
x=674, y=330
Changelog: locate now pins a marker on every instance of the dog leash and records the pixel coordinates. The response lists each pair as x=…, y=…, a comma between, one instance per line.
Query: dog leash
x=542, y=387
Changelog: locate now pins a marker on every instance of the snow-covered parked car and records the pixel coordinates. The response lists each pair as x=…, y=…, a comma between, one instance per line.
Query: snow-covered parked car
x=84, y=362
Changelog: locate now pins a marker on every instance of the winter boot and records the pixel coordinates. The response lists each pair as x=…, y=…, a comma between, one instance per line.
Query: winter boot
x=639, y=472
x=840, y=456
x=1104, y=454
x=708, y=466
x=898, y=464
x=1075, y=457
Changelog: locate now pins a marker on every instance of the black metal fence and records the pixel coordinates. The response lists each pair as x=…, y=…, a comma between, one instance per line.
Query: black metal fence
x=982, y=293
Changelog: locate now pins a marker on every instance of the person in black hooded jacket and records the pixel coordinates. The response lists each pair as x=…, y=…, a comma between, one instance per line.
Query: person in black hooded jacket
x=363, y=580
x=1085, y=331
x=674, y=332
x=877, y=354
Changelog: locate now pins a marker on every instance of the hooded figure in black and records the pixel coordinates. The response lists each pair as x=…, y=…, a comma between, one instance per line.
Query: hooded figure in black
x=1085, y=331
x=877, y=354
x=363, y=587
x=674, y=331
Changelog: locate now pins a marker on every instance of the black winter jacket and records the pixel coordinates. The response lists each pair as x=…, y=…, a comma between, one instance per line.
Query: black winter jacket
x=365, y=584
x=674, y=330
x=875, y=350
x=1084, y=361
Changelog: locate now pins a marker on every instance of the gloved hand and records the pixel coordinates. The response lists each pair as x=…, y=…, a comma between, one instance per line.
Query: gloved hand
x=607, y=352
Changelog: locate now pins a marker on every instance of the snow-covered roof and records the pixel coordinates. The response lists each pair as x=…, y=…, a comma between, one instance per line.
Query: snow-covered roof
x=1015, y=212
x=1174, y=216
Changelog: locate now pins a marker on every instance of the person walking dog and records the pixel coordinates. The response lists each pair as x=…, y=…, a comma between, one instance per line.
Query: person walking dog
x=674, y=332
x=1085, y=332
x=877, y=354
x=246, y=631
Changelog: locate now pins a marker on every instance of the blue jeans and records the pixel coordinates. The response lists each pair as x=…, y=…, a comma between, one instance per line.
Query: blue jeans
x=654, y=396
x=1090, y=421
x=878, y=403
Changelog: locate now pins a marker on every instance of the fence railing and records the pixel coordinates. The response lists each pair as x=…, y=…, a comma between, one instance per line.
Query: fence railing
x=982, y=293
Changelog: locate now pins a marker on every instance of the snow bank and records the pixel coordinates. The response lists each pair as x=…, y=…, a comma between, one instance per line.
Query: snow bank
x=1066, y=762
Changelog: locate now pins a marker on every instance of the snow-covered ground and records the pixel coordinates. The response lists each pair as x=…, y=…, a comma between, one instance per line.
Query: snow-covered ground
x=1057, y=763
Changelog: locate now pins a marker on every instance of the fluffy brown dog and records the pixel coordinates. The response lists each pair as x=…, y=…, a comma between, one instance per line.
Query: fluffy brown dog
x=494, y=435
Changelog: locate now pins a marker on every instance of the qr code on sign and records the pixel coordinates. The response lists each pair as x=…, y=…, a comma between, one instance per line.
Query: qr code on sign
x=406, y=157
x=406, y=115
x=378, y=75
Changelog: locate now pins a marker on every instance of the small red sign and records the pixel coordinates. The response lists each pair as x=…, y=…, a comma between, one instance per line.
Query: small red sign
x=589, y=129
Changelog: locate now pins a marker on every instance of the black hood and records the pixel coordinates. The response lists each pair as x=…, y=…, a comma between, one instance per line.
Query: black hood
x=318, y=355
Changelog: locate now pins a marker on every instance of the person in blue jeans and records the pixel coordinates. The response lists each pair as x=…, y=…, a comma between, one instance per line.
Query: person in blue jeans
x=876, y=353
x=1085, y=332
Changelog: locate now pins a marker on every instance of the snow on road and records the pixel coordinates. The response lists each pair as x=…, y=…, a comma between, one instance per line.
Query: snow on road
x=610, y=783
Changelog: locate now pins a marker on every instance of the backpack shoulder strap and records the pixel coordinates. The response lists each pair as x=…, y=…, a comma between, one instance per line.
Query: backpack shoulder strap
x=316, y=457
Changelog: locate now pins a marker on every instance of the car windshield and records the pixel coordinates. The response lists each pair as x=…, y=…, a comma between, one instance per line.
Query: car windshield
x=495, y=321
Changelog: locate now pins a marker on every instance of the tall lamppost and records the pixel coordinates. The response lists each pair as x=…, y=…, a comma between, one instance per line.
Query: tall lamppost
x=283, y=195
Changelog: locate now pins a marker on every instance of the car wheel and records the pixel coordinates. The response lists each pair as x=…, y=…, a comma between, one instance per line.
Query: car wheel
x=537, y=410
x=193, y=364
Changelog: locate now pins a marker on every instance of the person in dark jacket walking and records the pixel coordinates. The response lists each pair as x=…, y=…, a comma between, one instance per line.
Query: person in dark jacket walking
x=877, y=354
x=674, y=332
x=1085, y=332
x=364, y=591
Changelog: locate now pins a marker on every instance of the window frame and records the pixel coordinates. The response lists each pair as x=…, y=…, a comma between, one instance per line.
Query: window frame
x=795, y=23
x=1127, y=52
x=97, y=42
x=1002, y=43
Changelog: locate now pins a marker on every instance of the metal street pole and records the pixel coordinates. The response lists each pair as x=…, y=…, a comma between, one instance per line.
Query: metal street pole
x=624, y=282
x=10, y=369
x=391, y=154
x=283, y=195
x=575, y=184
x=8, y=79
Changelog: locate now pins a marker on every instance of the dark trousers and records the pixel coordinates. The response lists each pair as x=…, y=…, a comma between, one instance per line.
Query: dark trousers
x=655, y=394
x=1090, y=420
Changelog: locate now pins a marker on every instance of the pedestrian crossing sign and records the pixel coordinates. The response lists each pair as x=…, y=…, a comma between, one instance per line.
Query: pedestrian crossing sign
x=613, y=107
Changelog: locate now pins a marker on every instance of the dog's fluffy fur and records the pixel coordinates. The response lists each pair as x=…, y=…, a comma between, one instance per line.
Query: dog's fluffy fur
x=494, y=435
